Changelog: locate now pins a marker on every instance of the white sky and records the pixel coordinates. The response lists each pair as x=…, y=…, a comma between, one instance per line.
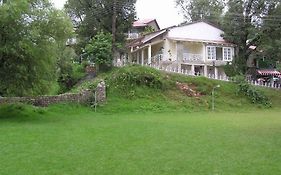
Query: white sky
x=163, y=11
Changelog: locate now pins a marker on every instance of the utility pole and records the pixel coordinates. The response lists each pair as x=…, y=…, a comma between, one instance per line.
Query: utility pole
x=114, y=16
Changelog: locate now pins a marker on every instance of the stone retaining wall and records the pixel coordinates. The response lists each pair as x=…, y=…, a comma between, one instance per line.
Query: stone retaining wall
x=83, y=97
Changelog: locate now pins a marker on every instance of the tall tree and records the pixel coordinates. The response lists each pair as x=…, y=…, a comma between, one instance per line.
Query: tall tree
x=91, y=16
x=31, y=31
x=99, y=50
x=194, y=10
x=242, y=24
x=271, y=34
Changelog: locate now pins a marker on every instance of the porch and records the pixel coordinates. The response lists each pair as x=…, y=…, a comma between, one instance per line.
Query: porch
x=203, y=70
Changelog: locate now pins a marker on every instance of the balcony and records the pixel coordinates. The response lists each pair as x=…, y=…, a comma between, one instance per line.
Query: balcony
x=217, y=62
x=133, y=35
x=192, y=58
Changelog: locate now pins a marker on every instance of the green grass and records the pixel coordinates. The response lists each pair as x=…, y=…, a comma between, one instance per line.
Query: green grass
x=69, y=139
x=146, y=126
x=138, y=89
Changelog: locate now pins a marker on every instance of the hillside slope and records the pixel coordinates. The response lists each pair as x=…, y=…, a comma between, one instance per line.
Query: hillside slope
x=139, y=89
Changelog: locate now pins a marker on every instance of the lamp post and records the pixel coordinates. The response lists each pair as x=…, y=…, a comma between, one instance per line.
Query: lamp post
x=213, y=96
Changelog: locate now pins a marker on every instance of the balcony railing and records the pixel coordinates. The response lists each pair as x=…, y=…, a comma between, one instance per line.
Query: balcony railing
x=133, y=35
x=192, y=57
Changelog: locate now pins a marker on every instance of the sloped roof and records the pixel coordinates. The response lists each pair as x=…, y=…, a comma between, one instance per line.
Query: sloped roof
x=148, y=37
x=197, y=31
x=142, y=22
x=145, y=22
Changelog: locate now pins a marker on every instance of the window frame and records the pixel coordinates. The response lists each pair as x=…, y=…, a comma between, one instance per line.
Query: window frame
x=228, y=55
x=212, y=55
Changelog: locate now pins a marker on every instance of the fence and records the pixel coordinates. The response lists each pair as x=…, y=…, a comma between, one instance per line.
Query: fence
x=212, y=76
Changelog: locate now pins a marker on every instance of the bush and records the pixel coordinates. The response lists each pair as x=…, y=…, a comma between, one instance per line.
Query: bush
x=128, y=78
x=253, y=94
x=69, y=75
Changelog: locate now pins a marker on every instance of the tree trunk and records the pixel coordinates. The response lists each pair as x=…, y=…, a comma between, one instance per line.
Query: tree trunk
x=114, y=16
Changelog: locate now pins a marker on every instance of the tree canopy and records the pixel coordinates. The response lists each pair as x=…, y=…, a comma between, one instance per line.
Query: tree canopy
x=194, y=10
x=99, y=49
x=92, y=16
x=244, y=24
x=30, y=35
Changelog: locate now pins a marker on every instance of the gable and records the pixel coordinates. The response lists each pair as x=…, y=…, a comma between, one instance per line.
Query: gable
x=154, y=25
x=146, y=22
x=199, y=31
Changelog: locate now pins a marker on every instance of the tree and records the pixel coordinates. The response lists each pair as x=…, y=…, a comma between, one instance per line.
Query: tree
x=31, y=31
x=271, y=35
x=91, y=16
x=66, y=78
x=194, y=10
x=242, y=25
x=99, y=50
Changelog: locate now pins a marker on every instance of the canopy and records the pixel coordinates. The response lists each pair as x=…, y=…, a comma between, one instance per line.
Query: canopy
x=269, y=72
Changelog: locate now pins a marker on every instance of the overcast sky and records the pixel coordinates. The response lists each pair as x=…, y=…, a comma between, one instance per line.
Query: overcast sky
x=163, y=11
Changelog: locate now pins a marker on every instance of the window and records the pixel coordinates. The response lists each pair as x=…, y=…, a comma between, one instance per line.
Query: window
x=211, y=51
x=227, y=54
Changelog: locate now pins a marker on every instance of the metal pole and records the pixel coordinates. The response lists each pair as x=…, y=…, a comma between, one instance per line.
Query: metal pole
x=213, y=99
x=95, y=101
x=213, y=96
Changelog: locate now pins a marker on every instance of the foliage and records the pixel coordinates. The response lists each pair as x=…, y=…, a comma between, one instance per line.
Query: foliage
x=135, y=76
x=243, y=25
x=92, y=16
x=271, y=36
x=194, y=10
x=31, y=33
x=147, y=30
x=99, y=49
x=69, y=73
x=232, y=70
x=256, y=96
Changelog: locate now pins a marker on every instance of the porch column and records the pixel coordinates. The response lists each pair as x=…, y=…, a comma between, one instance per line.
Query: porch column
x=205, y=70
x=204, y=52
x=130, y=57
x=192, y=70
x=179, y=56
x=216, y=73
x=149, y=55
x=138, y=57
x=142, y=57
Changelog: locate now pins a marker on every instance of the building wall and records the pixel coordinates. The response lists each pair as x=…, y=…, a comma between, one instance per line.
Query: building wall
x=156, y=49
x=193, y=47
x=170, y=51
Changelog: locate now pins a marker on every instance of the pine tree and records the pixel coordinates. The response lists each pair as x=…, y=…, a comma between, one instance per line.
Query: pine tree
x=194, y=10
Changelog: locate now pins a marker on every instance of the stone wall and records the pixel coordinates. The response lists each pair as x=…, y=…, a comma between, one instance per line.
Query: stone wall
x=101, y=92
x=83, y=97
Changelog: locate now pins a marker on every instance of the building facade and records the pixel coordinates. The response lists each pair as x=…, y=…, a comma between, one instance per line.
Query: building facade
x=197, y=48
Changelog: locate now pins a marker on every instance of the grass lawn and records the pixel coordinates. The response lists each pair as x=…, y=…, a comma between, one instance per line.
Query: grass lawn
x=73, y=140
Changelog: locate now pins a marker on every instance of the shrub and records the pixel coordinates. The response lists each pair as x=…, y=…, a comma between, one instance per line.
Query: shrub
x=128, y=78
x=253, y=94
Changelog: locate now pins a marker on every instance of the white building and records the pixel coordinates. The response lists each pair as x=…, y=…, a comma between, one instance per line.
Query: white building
x=196, y=47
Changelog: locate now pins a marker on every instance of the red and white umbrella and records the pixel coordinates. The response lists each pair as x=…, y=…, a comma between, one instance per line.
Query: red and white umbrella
x=269, y=72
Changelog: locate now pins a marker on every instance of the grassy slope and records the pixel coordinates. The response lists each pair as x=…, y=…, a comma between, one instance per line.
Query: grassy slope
x=66, y=139
x=126, y=94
